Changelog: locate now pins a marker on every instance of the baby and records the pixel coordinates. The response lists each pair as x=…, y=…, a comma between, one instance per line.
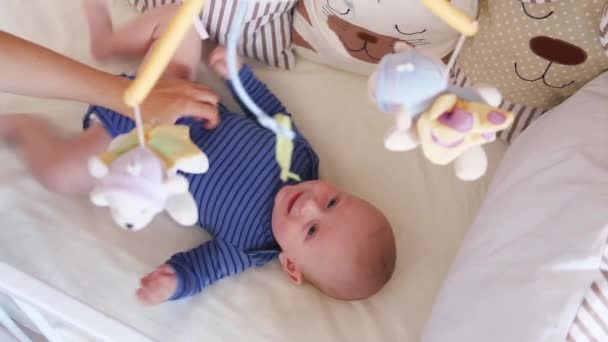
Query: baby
x=333, y=240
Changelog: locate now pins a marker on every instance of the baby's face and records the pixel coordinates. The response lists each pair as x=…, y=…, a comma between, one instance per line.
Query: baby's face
x=322, y=230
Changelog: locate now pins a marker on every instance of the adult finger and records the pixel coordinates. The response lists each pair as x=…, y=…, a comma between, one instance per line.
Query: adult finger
x=207, y=112
x=203, y=94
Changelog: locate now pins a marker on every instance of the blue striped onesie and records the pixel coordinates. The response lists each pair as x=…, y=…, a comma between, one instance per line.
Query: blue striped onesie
x=236, y=196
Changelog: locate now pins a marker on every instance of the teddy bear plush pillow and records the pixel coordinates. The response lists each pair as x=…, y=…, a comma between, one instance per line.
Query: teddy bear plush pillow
x=536, y=52
x=267, y=28
x=355, y=34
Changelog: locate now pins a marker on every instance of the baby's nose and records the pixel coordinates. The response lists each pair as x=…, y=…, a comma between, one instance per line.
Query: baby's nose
x=310, y=206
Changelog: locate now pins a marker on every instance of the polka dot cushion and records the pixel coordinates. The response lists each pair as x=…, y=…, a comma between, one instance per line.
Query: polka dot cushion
x=537, y=52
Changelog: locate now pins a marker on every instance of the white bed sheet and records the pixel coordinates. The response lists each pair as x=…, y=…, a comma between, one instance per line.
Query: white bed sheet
x=74, y=247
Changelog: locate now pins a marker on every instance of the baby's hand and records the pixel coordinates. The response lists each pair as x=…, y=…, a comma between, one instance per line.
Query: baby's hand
x=158, y=286
x=217, y=62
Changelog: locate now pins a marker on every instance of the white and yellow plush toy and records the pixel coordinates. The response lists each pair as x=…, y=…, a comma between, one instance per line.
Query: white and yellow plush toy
x=138, y=182
x=137, y=176
x=450, y=123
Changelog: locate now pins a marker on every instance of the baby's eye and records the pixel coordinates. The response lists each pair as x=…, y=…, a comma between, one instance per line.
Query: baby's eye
x=332, y=203
x=311, y=231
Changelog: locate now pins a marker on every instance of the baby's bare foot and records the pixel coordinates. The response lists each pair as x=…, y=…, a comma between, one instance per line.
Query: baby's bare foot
x=100, y=28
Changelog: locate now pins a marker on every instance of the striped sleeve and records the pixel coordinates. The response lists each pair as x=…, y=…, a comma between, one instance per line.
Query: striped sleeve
x=259, y=93
x=114, y=123
x=206, y=264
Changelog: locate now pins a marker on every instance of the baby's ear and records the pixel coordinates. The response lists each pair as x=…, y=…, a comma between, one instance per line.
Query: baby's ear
x=291, y=269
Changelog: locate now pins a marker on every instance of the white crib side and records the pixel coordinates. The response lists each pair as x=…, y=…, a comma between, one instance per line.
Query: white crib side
x=34, y=298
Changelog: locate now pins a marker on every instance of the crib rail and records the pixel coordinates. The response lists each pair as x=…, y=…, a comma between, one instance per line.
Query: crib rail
x=34, y=298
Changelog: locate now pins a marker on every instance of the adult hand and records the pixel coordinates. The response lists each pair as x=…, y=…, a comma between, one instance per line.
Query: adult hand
x=171, y=99
x=32, y=70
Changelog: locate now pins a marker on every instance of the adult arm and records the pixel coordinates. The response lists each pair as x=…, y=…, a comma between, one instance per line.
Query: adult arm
x=30, y=69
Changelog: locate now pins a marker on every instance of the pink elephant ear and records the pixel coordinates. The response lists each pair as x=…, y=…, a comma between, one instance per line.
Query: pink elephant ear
x=604, y=30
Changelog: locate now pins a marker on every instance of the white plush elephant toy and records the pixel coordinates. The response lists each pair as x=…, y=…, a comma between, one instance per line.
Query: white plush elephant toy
x=139, y=182
x=449, y=122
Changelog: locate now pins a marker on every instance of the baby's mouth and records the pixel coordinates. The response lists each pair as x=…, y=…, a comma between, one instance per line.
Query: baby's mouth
x=292, y=201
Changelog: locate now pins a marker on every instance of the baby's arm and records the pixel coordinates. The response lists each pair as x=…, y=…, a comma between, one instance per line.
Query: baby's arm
x=257, y=90
x=187, y=273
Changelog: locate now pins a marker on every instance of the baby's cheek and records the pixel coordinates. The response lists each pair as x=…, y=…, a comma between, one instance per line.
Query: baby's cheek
x=286, y=236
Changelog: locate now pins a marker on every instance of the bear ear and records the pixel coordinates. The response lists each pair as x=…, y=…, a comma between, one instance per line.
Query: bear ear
x=99, y=198
x=183, y=209
x=604, y=30
x=489, y=94
x=97, y=168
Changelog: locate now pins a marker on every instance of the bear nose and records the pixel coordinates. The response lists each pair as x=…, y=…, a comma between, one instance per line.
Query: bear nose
x=129, y=226
x=366, y=37
x=558, y=51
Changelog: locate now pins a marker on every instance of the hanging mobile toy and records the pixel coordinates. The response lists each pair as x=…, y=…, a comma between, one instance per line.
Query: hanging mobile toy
x=449, y=122
x=137, y=176
x=280, y=124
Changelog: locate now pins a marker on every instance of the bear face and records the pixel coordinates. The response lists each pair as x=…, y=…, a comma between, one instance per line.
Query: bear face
x=356, y=34
x=129, y=211
x=363, y=44
x=538, y=52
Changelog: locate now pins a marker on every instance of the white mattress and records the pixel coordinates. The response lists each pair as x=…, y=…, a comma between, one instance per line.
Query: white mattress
x=74, y=247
